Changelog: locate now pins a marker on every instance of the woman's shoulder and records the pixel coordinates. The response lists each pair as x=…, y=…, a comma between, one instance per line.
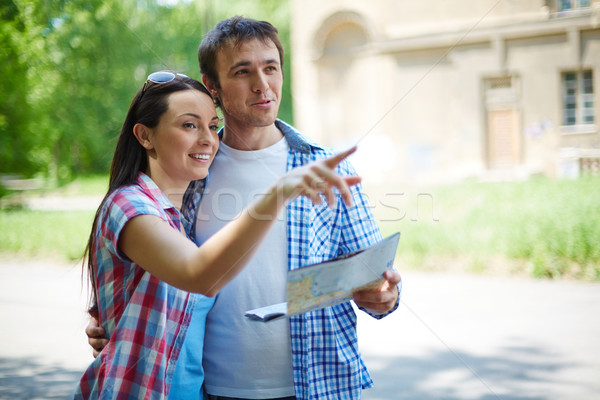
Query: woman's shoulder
x=131, y=200
x=129, y=194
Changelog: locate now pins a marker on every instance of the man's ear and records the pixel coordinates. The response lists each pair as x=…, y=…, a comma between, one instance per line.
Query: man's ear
x=210, y=85
x=142, y=134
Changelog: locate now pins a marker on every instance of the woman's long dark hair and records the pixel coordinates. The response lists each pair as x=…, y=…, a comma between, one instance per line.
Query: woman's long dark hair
x=130, y=158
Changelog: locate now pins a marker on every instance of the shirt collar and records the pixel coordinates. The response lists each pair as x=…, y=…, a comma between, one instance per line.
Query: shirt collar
x=295, y=139
x=148, y=186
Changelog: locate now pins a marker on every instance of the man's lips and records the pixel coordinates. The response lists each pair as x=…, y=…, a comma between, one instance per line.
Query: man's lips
x=263, y=102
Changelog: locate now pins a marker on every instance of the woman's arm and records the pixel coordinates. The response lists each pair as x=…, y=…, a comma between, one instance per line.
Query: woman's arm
x=164, y=252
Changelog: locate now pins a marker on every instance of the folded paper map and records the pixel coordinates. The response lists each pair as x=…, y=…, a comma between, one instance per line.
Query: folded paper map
x=331, y=282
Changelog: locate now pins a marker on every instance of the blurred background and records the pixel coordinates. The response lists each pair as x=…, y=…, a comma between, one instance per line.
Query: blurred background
x=477, y=120
x=477, y=123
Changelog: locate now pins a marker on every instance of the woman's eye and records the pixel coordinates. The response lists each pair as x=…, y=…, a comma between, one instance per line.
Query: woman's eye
x=189, y=125
x=214, y=128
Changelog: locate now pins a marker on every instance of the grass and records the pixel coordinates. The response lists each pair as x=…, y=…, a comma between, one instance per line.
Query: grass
x=60, y=235
x=542, y=227
x=547, y=228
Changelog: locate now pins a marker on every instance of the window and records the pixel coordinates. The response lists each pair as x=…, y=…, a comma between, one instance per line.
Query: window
x=578, y=98
x=565, y=5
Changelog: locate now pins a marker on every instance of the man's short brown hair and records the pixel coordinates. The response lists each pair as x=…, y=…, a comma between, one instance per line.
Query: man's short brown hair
x=233, y=31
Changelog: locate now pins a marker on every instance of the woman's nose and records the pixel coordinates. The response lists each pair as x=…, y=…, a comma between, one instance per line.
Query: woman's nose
x=207, y=137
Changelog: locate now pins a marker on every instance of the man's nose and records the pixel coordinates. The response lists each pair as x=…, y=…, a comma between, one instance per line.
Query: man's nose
x=260, y=83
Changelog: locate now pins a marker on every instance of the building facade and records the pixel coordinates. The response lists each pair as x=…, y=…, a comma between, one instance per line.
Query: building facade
x=445, y=90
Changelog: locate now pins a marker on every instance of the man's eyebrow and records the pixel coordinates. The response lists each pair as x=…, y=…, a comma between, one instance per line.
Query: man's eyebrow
x=239, y=64
x=247, y=63
x=271, y=61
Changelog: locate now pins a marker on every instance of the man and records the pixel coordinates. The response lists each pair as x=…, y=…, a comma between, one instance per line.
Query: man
x=312, y=355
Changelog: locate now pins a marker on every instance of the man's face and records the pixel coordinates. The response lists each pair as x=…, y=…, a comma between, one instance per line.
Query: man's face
x=251, y=79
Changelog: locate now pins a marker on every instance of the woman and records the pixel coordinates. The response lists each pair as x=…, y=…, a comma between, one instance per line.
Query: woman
x=140, y=261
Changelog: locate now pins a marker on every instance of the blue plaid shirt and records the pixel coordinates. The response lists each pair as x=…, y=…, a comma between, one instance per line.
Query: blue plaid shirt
x=326, y=360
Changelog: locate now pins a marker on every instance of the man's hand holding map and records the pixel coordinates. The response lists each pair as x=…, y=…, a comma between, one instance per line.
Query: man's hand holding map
x=331, y=282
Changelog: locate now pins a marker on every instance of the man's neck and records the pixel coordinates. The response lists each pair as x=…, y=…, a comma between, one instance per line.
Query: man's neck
x=248, y=138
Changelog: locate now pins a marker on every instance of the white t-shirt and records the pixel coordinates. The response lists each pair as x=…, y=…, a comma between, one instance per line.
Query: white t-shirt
x=244, y=358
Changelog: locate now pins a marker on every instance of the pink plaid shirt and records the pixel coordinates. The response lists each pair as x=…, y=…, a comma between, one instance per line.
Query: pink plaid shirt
x=145, y=318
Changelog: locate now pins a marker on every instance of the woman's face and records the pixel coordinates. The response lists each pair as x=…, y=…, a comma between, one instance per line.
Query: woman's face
x=185, y=141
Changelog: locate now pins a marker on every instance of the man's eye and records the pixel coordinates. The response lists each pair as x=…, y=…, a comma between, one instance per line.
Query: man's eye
x=241, y=72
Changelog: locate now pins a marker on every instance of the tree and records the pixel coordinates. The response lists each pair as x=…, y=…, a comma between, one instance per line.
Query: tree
x=15, y=143
x=73, y=66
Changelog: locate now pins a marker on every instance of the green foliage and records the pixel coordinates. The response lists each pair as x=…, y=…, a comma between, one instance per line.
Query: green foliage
x=3, y=191
x=551, y=228
x=71, y=67
x=14, y=108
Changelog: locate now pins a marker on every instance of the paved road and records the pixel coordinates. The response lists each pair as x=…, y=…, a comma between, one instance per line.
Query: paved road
x=454, y=337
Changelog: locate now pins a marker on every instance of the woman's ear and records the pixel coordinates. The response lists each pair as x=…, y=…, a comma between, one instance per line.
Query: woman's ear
x=142, y=134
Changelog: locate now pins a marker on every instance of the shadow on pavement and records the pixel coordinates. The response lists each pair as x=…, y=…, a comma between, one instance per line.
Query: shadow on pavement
x=519, y=373
x=24, y=378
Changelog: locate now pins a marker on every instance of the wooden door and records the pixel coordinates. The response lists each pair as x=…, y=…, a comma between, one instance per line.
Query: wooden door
x=503, y=139
x=503, y=125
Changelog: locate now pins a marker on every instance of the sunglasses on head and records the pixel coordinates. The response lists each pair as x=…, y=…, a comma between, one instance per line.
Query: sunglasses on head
x=160, y=77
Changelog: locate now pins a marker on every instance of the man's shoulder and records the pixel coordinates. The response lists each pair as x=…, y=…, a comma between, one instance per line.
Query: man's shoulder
x=296, y=140
x=308, y=149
